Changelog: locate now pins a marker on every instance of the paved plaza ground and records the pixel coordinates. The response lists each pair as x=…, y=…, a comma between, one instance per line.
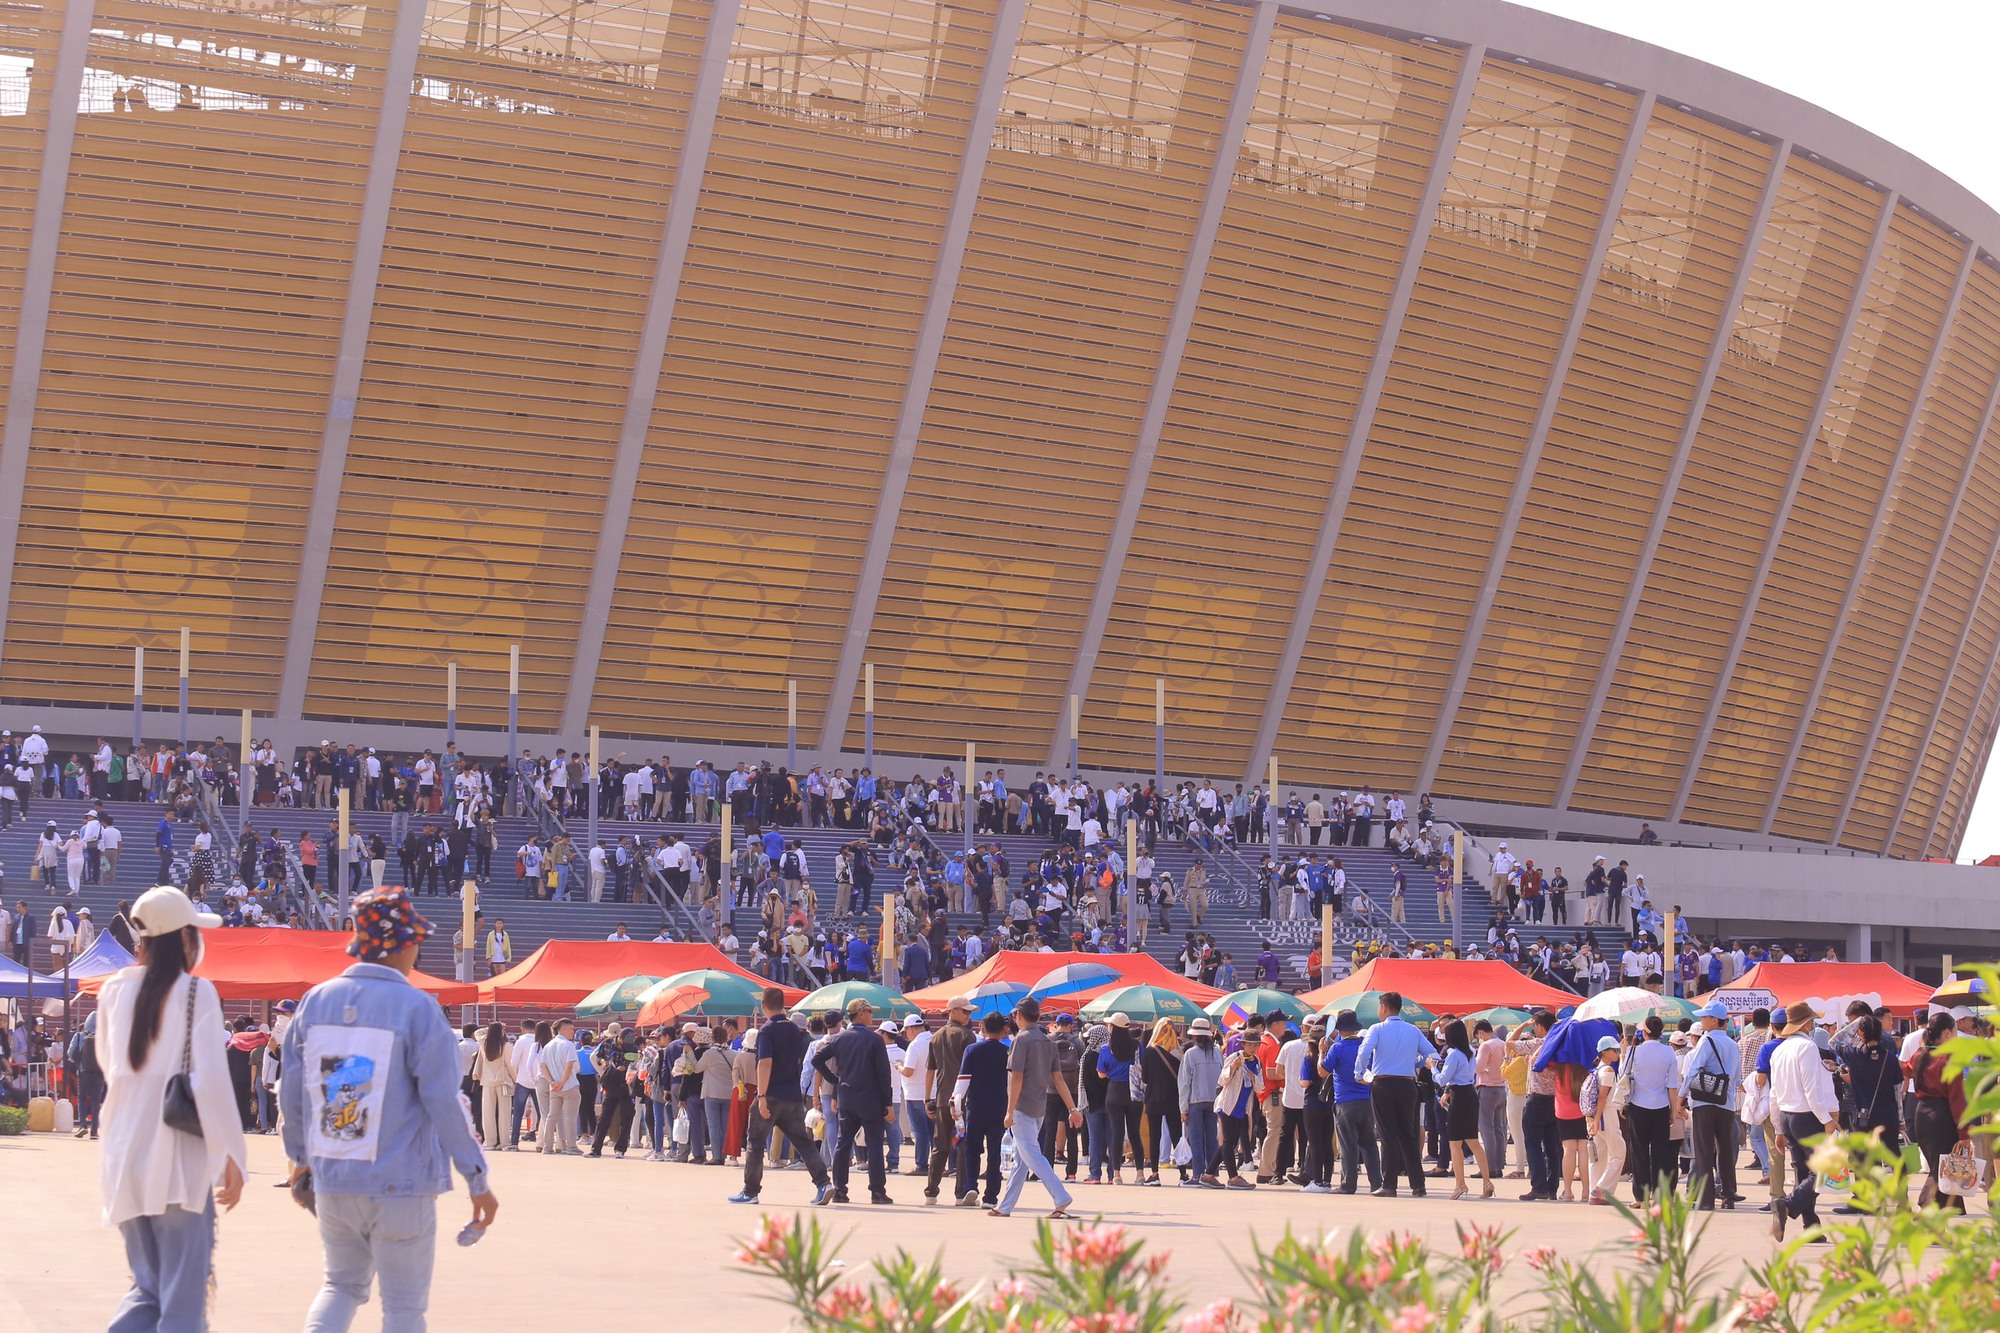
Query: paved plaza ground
x=646, y=1240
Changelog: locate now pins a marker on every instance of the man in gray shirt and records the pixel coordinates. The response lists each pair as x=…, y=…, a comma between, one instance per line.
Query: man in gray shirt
x=1031, y=1078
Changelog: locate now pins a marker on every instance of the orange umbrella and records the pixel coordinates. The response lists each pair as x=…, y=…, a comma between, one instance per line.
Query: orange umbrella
x=669, y=1005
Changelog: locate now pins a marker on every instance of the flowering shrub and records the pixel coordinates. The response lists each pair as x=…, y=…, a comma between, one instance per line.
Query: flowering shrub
x=1891, y=1268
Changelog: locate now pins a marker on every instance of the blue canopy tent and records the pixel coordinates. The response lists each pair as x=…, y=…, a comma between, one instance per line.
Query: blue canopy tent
x=104, y=956
x=15, y=981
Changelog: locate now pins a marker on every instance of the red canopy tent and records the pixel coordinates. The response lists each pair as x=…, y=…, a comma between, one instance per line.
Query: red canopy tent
x=271, y=963
x=1024, y=968
x=562, y=972
x=1828, y=987
x=1446, y=985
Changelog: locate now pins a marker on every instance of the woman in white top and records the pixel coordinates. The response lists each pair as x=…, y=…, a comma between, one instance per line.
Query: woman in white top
x=62, y=938
x=161, y=1184
x=73, y=852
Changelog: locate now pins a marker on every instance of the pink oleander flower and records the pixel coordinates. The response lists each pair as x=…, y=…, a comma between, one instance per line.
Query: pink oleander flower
x=843, y=1302
x=1092, y=1247
x=767, y=1242
x=1217, y=1318
x=1105, y=1321
x=1540, y=1257
x=945, y=1295
x=1759, y=1306
x=1415, y=1319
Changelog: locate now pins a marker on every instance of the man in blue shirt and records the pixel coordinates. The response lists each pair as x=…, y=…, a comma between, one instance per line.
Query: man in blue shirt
x=1391, y=1052
x=1353, y=1108
x=374, y=1117
x=982, y=1092
x=1714, y=1129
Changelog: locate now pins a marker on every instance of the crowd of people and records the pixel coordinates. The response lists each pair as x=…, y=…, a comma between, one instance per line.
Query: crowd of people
x=1315, y=1106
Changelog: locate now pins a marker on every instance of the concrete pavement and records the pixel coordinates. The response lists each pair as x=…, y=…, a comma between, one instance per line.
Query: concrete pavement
x=620, y=1229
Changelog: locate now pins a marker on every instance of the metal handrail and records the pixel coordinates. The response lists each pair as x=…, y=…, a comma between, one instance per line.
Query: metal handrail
x=655, y=881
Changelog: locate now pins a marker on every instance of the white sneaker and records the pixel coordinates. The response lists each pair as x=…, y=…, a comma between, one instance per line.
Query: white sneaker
x=1315, y=1188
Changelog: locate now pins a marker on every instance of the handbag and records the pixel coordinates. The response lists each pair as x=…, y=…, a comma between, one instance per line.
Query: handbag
x=1959, y=1172
x=178, y=1109
x=1710, y=1087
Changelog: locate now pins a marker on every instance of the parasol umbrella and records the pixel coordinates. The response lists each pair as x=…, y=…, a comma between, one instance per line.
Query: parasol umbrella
x=1573, y=1041
x=1367, y=1006
x=1500, y=1016
x=834, y=999
x=1629, y=1004
x=669, y=1004
x=1142, y=1004
x=725, y=995
x=1237, y=1006
x=1962, y=993
x=996, y=997
x=616, y=999
x=1071, y=978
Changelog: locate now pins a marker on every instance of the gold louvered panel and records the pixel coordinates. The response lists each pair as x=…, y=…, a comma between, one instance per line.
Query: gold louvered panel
x=213, y=193
x=1808, y=269
x=1891, y=583
x=1333, y=165
x=1816, y=557
x=1968, y=766
x=1932, y=778
x=1654, y=310
x=1965, y=384
x=1507, y=250
x=839, y=139
x=529, y=201
x=1102, y=151
x=29, y=36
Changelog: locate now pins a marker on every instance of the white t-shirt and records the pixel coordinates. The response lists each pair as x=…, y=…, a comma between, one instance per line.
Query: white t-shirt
x=558, y=1056
x=1292, y=1059
x=1633, y=963
x=917, y=1059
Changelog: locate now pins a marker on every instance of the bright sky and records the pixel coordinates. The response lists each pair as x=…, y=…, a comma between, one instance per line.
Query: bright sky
x=1920, y=73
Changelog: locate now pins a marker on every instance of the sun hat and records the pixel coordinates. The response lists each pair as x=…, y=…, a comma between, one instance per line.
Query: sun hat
x=889, y=1025
x=1346, y=1021
x=385, y=920
x=1606, y=1044
x=1713, y=1009
x=1118, y=1020
x=1800, y=1017
x=165, y=910
x=957, y=1002
x=1201, y=1027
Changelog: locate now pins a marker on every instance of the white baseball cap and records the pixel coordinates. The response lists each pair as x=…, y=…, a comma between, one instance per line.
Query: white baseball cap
x=165, y=910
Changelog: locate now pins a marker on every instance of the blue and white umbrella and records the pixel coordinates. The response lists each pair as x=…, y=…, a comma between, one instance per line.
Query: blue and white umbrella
x=1075, y=978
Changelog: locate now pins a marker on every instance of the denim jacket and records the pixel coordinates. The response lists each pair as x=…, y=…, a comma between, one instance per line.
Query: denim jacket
x=370, y=1089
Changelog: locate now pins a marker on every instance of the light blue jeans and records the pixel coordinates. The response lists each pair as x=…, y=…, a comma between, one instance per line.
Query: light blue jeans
x=170, y=1257
x=1028, y=1158
x=365, y=1238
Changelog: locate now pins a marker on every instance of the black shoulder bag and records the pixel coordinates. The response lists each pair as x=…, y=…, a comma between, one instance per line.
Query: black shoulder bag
x=1710, y=1087
x=179, y=1110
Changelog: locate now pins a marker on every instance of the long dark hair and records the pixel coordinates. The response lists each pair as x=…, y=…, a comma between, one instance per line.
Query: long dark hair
x=1124, y=1045
x=1455, y=1038
x=164, y=958
x=1938, y=1028
x=496, y=1041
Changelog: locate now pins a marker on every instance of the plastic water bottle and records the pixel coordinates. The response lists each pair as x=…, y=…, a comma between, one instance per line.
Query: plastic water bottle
x=1007, y=1155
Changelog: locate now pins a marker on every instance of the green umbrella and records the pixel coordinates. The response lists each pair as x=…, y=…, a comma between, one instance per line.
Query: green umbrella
x=730, y=995
x=1673, y=1008
x=616, y=999
x=834, y=999
x=1500, y=1016
x=1141, y=1004
x=1367, y=1006
x=1236, y=1006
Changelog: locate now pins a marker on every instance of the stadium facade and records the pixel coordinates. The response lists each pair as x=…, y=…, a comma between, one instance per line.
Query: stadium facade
x=1433, y=392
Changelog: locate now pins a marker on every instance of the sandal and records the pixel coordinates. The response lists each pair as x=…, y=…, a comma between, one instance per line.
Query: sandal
x=995, y=1212
x=1058, y=1214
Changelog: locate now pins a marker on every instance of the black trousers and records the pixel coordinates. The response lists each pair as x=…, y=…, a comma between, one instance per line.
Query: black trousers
x=1935, y=1133
x=1055, y=1120
x=1713, y=1137
x=1355, y=1123
x=1318, y=1167
x=1802, y=1202
x=982, y=1139
x=1653, y=1153
x=874, y=1134
x=614, y=1122
x=1235, y=1145
x=1395, y=1102
x=789, y=1119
